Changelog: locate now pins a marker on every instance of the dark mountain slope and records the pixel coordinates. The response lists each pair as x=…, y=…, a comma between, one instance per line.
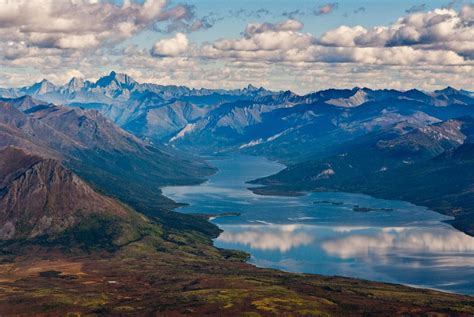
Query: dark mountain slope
x=113, y=160
x=300, y=127
x=431, y=166
x=41, y=199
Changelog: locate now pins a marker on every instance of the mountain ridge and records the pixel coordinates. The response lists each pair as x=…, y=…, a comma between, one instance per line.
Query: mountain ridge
x=153, y=111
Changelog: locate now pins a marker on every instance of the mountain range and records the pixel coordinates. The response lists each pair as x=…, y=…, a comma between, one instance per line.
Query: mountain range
x=340, y=136
x=252, y=120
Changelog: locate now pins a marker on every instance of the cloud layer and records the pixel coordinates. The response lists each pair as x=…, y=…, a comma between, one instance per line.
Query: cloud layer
x=426, y=50
x=80, y=24
x=441, y=37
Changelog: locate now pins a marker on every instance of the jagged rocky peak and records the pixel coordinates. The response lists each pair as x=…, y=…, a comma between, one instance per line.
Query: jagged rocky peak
x=116, y=80
x=447, y=91
x=358, y=98
x=251, y=87
x=38, y=196
x=76, y=83
x=42, y=87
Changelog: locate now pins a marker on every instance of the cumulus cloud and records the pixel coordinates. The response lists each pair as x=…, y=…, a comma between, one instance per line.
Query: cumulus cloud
x=81, y=24
x=426, y=50
x=260, y=37
x=440, y=29
x=283, y=50
x=326, y=8
x=285, y=42
x=441, y=36
x=288, y=25
x=172, y=46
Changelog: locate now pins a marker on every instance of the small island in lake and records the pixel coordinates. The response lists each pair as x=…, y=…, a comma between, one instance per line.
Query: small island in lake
x=358, y=208
x=335, y=203
x=211, y=216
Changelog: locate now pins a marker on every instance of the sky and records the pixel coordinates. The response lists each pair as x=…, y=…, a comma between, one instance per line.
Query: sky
x=299, y=45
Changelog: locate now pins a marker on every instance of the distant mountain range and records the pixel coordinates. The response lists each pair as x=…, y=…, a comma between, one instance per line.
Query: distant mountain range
x=150, y=110
x=253, y=120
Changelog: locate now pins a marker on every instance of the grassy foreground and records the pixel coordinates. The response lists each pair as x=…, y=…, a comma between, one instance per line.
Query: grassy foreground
x=171, y=273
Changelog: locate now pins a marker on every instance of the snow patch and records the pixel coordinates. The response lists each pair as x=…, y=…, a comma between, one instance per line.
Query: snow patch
x=326, y=173
x=251, y=143
x=188, y=128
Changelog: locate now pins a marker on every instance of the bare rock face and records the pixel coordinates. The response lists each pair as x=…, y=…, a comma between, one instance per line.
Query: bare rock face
x=40, y=197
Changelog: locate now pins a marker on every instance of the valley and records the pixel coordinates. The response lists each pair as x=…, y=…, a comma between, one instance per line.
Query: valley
x=131, y=156
x=236, y=158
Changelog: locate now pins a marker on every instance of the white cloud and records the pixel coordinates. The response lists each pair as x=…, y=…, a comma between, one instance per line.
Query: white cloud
x=288, y=25
x=80, y=24
x=273, y=45
x=172, y=46
x=439, y=29
x=78, y=41
x=441, y=36
x=426, y=50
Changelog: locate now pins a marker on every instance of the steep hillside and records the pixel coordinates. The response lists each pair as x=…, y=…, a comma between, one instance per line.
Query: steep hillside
x=42, y=200
x=115, y=161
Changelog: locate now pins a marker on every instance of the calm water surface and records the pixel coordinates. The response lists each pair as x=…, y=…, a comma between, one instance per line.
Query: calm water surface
x=408, y=244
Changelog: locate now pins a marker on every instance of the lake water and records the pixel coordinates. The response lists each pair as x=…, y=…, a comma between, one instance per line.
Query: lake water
x=408, y=244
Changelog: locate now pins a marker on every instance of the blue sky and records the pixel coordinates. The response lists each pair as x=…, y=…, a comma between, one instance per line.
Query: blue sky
x=348, y=13
x=301, y=45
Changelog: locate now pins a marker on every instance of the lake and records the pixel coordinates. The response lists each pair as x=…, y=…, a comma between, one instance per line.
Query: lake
x=386, y=240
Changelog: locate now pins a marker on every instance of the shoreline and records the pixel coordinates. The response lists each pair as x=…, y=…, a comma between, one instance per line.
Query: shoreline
x=290, y=193
x=262, y=191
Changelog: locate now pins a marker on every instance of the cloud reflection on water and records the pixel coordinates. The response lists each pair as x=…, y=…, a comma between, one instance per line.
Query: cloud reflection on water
x=268, y=237
x=413, y=240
